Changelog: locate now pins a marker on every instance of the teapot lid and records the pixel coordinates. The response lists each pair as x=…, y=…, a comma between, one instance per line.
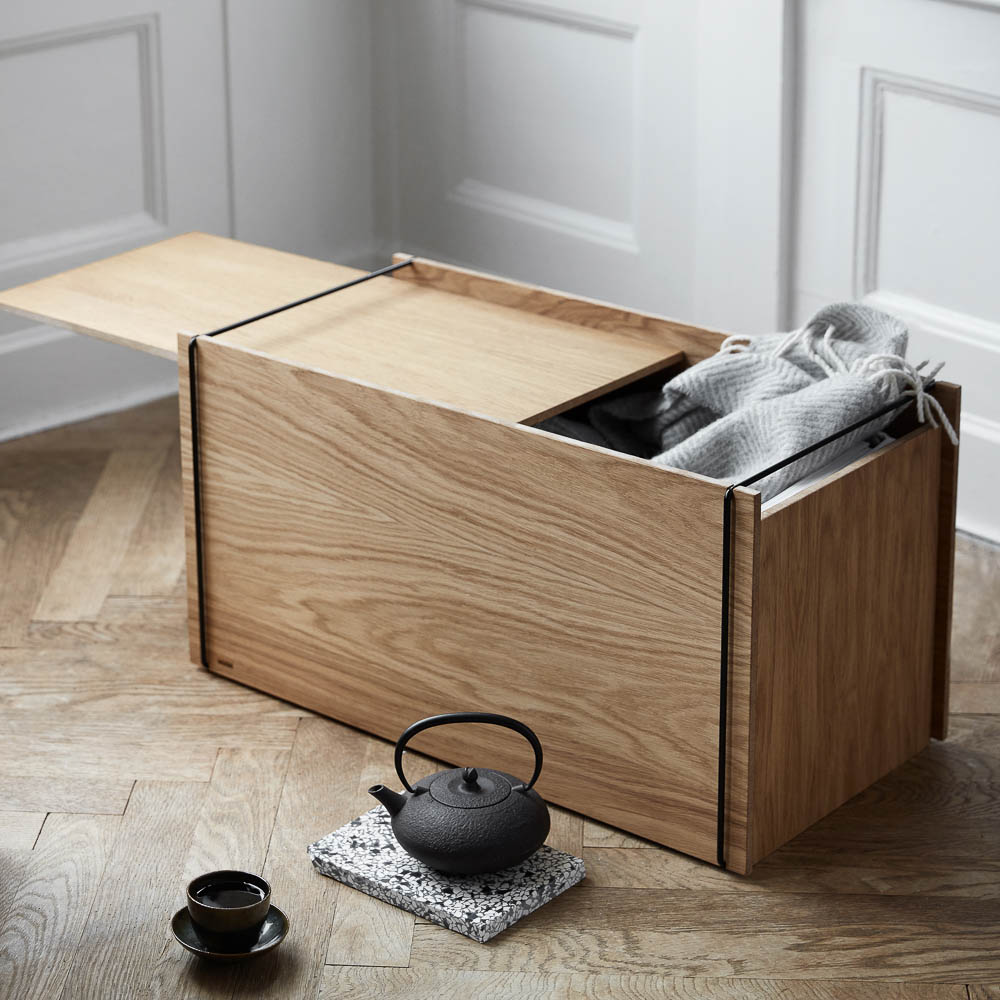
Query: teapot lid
x=469, y=788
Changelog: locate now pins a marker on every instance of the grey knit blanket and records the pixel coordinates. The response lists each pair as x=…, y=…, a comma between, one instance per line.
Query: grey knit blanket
x=764, y=398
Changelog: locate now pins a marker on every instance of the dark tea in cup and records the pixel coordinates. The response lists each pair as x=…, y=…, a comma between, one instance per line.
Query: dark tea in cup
x=238, y=892
x=228, y=901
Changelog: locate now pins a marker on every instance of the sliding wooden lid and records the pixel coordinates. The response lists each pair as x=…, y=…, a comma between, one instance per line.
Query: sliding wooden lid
x=449, y=348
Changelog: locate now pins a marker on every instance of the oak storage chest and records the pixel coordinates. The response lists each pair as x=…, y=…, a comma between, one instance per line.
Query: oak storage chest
x=386, y=535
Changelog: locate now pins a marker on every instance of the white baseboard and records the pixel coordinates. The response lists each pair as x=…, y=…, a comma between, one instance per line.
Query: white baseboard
x=979, y=478
x=51, y=377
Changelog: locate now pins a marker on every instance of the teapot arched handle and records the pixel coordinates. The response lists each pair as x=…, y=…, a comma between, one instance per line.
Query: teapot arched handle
x=455, y=717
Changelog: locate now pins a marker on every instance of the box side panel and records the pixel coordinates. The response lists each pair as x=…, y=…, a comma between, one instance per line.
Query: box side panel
x=695, y=342
x=742, y=673
x=378, y=559
x=950, y=398
x=187, y=497
x=846, y=619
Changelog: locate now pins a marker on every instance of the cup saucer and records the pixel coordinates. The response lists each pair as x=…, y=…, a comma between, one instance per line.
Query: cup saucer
x=229, y=947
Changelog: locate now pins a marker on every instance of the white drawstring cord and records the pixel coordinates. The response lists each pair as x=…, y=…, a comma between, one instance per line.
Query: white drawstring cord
x=892, y=367
x=906, y=379
x=734, y=344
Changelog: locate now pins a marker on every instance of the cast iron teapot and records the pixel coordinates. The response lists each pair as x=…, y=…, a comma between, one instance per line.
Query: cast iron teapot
x=468, y=820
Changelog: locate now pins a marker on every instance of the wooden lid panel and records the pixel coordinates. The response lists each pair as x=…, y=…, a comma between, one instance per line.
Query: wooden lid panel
x=476, y=355
x=194, y=283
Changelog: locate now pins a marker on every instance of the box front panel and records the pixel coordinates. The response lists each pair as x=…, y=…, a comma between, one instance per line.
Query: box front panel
x=380, y=559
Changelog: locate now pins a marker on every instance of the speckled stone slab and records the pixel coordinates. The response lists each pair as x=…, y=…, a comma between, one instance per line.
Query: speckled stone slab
x=364, y=854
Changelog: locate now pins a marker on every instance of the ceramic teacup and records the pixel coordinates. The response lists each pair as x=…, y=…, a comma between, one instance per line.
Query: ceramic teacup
x=227, y=902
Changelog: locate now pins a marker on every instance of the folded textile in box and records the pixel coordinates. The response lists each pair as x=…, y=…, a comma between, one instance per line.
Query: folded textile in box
x=364, y=854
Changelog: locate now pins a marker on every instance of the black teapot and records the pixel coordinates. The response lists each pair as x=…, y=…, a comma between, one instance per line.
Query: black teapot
x=468, y=820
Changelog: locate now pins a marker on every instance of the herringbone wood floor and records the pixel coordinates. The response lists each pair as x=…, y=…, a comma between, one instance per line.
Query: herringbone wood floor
x=126, y=770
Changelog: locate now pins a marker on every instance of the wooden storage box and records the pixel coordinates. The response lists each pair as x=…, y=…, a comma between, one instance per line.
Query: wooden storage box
x=386, y=536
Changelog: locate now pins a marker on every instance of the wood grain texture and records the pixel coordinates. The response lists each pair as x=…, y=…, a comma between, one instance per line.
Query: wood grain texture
x=83, y=578
x=23, y=792
x=13, y=865
x=367, y=931
x=451, y=348
x=897, y=885
x=927, y=828
x=695, y=342
x=88, y=679
x=140, y=889
x=456, y=350
x=194, y=282
x=566, y=831
x=134, y=746
x=232, y=832
x=317, y=797
x=600, y=835
x=19, y=830
x=38, y=527
x=237, y=816
x=454, y=984
x=120, y=622
x=436, y=560
x=950, y=398
x=945, y=800
x=752, y=935
x=38, y=940
x=154, y=560
x=797, y=870
x=742, y=682
x=846, y=601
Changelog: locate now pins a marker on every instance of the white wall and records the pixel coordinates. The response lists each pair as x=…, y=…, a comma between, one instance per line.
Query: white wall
x=121, y=124
x=898, y=194
x=300, y=75
x=735, y=163
x=590, y=145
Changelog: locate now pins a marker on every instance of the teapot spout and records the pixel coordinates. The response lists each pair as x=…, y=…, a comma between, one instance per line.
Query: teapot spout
x=393, y=801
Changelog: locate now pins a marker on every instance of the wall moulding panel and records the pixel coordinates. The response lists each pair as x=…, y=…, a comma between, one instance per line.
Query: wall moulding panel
x=899, y=264
x=518, y=141
x=539, y=156
x=897, y=138
x=536, y=211
x=111, y=213
x=113, y=117
x=877, y=86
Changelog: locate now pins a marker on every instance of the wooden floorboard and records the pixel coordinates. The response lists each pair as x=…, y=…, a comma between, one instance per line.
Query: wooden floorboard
x=20, y=829
x=233, y=831
x=125, y=770
x=39, y=940
x=455, y=984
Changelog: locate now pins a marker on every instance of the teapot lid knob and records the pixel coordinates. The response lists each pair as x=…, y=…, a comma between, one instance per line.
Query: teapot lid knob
x=470, y=776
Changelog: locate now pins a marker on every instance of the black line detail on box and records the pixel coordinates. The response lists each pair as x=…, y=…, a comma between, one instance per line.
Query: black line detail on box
x=195, y=427
x=727, y=595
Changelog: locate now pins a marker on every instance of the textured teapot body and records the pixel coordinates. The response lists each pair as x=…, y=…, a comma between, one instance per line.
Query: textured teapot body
x=471, y=841
x=467, y=821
